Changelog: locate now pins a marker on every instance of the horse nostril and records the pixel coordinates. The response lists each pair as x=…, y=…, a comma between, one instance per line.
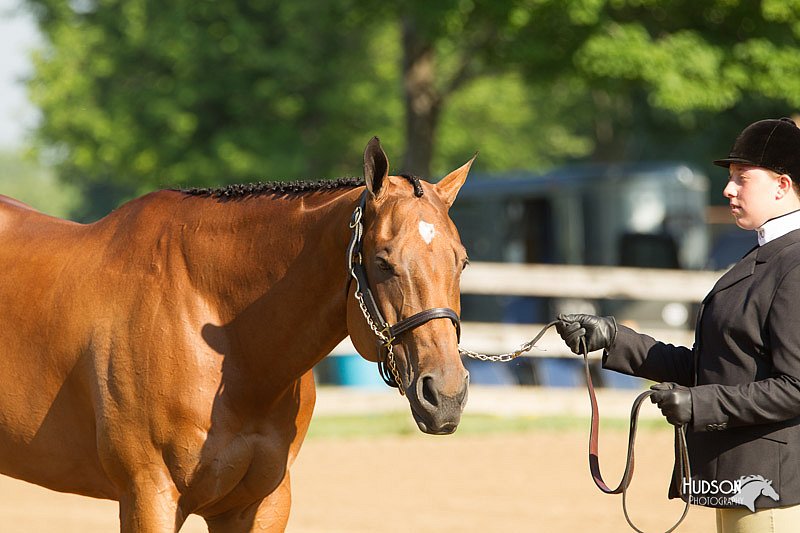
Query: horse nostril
x=463, y=394
x=429, y=392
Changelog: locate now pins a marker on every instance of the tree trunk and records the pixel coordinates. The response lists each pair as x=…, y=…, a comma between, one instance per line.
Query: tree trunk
x=612, y=124
x=422, y=100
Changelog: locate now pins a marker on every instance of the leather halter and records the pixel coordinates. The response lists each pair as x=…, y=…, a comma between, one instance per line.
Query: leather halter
x=385, y=333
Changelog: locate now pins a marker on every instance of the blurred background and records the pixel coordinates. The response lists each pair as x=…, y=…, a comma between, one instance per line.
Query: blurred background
x=596, y=121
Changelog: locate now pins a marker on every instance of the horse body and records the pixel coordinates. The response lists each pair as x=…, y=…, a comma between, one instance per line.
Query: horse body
x=149, y=347
x=162, y=356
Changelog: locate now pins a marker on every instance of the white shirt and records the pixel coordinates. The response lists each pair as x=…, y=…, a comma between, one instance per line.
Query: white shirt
x=778, y=227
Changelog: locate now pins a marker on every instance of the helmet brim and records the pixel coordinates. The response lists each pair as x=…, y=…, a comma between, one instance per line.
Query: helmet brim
x=727, y=162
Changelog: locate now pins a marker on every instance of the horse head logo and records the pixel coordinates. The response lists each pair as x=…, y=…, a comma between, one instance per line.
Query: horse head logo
x=750, y=488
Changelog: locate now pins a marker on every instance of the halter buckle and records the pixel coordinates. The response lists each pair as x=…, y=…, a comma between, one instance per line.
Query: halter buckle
x=356, y=220
x=386, y=334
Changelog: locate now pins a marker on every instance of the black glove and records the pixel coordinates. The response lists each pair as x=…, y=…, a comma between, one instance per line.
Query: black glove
x=675, y=402
x=599, y=331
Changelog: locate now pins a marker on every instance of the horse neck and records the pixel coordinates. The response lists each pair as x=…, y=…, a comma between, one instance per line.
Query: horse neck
x=274, y=269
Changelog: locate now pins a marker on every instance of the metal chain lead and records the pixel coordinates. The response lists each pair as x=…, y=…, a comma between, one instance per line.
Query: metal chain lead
x=385, y=339
x=506, y=357
x=501, y=358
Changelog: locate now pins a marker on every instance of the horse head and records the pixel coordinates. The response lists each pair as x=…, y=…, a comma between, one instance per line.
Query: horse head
x=751, y=487
x=412, y=257
x=769, y=491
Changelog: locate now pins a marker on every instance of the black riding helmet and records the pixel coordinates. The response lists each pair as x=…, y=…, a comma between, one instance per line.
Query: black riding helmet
x=773, y=144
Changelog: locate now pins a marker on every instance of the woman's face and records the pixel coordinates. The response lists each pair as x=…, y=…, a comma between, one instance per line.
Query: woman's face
x=752, y=193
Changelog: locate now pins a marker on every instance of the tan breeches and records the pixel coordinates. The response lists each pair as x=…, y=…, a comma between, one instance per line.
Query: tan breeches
x=741, y=520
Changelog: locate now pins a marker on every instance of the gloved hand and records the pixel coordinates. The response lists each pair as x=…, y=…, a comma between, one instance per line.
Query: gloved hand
x=675, y=402
x=599, y=331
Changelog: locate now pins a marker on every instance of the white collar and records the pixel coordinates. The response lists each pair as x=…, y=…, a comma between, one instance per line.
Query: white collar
x=778, y=227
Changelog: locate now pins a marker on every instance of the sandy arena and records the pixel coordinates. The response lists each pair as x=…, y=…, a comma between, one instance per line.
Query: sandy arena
x=530, y=481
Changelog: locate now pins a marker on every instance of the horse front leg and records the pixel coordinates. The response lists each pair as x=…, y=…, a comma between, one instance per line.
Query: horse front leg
x=150, y=506
x=270, y=514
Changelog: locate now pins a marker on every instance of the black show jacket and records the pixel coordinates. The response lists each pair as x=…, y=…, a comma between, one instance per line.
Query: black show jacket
x=744, y=373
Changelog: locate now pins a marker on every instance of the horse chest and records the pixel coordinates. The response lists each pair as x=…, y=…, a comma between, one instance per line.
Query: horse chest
x=235, y=465
x=233, y=469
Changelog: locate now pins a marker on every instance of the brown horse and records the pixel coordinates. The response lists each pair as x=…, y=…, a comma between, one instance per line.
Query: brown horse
x=162, y=356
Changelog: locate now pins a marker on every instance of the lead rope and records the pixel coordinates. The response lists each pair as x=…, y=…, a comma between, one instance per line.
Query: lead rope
x=682, y=453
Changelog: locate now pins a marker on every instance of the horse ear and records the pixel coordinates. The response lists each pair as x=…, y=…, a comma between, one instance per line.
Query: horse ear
x=376, y=167
x=449, y=186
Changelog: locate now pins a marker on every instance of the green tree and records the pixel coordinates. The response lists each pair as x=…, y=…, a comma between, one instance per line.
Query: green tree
x=138, y=94
x=619, y=74
x=455, y=46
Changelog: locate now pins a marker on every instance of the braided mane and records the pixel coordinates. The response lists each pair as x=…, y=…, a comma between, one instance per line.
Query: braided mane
x=246, y=190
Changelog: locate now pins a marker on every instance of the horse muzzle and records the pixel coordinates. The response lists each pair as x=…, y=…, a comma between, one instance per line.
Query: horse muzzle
x=436, y=410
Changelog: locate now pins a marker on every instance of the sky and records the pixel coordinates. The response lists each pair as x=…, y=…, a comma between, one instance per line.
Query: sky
x=18, y=36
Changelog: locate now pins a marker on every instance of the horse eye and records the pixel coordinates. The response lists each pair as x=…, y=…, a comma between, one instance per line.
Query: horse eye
x=465, y=264
x=384, y=264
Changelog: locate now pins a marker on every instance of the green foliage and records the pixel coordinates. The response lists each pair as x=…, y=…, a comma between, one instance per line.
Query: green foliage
x=773, y=70
x=542, y=82
x=692, y=56
x=502, y=118
x=681, y=71
x=147, y=94
x=142, y=94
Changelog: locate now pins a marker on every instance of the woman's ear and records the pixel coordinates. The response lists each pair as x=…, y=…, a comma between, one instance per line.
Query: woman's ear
x=785, y=186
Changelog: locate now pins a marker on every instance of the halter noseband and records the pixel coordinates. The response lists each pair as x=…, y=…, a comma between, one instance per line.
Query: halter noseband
x=385, y=333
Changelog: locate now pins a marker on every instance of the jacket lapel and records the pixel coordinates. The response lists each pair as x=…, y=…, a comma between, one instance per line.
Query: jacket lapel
x=741, y=270
x=744, y=268
x=747, y=264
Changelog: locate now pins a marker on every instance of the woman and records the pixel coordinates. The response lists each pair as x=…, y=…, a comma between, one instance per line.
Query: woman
x=738, y=389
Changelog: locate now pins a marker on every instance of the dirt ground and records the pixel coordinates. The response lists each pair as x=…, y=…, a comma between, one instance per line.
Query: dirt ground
x=501, y=483
x=534, y=481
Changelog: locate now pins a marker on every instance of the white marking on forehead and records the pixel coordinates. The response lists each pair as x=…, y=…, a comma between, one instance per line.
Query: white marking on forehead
x=428, y=231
